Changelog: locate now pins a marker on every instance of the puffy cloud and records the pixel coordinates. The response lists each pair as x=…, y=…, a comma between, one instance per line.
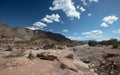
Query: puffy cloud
x=86, y=37
x=88, y=2
x=32, y=28
x=93, y=0
x=104, y=25
x=84, y=2
x=75, y=33
x=94, y=36
x=76, y=38
x=89, y=14
x=110, y=19
x=92, y=33
x=51, y=18
x=117, y=31
x=39, y=25
x=65, y=30
x=82, y=9
x=51, y=30
x=67, y=6
x=62, y=22
x=78, y=6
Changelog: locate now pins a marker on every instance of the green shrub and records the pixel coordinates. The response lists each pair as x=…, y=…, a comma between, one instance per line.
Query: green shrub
x=92, y=43
x=115, y=45
x=114, y=42
x=49, y=46
x=70, y=45
x=31, y=56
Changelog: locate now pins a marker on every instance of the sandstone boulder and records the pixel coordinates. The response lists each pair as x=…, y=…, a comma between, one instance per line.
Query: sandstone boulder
x=67, y=64
x=47, y=56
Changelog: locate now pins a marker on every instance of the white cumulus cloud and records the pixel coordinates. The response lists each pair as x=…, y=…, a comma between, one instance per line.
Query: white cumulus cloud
x=94, y=32
x=84, y=2
x=110, y=19
x=32, y=28
x=40, y=25
x=66, y=6
x=75, y=33
x=51, y=30
x=89, y=14
x=65, y=30
x=93, y=0
x=88, y=2
x=86, y=37
x=76, y=38
x=78, y=7
x=37, y=26
x=51, y=18
x=104, y=25
x=94, y=35
x=82, y=9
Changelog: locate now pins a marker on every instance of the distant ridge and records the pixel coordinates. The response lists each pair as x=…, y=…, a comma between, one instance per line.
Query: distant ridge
x=23, y=34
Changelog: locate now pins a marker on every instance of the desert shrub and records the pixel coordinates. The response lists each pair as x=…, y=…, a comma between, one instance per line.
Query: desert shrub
x=92, y=43
x=31, y=56
x=70, y=45
x=70, y=56
x=49, y=46
x=115, y=45
x=9, y=48
x=114, y=42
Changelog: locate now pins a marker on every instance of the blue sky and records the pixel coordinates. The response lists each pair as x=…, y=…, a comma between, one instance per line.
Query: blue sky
x=76, y=19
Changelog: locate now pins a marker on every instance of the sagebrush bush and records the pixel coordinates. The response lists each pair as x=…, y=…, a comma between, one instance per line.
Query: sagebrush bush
x=115, y=45
x=92, y=43
x=114, y=42
x=49, y=46
x=70, y=45
x=31, y=56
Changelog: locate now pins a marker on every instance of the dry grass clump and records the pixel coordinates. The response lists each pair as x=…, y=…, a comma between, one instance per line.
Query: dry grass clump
x=31, y=55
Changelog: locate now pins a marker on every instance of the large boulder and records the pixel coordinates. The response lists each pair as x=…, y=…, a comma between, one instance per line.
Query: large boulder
x=67, y=64
x=47, y=56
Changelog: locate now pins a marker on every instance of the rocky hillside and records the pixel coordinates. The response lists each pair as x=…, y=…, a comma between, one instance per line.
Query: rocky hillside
x=23, y=34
